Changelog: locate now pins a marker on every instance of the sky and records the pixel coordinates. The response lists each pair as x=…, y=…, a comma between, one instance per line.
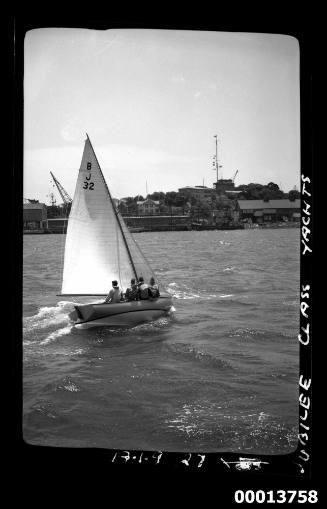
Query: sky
x=151, y=102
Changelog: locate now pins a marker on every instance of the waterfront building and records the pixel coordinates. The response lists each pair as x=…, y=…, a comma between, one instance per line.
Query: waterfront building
x=261, y=211
x=232, y=193
x=202, y=193
x=158, y=222
x=57, y=225
x=34, y=216
x=148, y=206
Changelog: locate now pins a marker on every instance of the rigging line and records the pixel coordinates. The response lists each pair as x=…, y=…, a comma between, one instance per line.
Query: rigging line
x=114, y=208
x=118, y=258
x=140, y=257
x=63, y=244
x=141, y=254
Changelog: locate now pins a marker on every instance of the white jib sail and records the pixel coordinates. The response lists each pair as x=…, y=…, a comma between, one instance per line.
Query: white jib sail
x=96, y=252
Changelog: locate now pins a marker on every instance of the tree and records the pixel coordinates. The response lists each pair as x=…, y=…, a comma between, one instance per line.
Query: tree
x=253, y=191
x=272, y=186
x=294, y=195
x=157, y=196
x=170, y=198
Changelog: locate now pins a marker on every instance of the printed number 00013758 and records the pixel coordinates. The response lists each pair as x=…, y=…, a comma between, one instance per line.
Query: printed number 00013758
x=279, y=496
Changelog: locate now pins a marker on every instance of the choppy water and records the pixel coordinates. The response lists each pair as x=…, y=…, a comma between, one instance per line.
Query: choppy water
x=221, y=374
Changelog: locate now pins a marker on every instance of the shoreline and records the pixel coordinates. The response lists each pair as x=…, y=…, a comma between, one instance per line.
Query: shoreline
x=246, y=226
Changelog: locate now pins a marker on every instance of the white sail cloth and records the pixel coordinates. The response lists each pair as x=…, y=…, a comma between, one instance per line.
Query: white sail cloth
x=97, y=243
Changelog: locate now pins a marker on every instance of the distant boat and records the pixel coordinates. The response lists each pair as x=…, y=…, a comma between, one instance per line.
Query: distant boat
x=99, y=249
x=135, y=229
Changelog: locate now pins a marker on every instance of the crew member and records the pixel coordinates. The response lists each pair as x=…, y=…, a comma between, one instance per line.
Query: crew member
x=143, y=290
x=132, y=292
x=153, y=289
x=115, y=295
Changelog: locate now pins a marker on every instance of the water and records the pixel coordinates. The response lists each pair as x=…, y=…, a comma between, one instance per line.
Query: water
x=220, y=374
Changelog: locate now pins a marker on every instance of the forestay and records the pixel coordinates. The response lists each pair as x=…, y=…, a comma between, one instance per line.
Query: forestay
x=99, y=247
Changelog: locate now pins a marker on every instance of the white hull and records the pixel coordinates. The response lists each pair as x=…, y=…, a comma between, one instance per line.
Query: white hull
x=124, y=314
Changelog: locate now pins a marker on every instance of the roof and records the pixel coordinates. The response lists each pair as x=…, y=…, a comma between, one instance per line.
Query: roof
x=148, y=200
x=196, y=188
x=34, y=206
x=271, y=204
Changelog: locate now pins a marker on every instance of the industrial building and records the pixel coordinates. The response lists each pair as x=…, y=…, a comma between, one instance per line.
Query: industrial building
x=57, y=225
x=34, y=216
x=223, y=185
x=263, y=211
x=199, y=192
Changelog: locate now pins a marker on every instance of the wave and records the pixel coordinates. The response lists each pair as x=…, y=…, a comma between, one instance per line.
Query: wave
x=246, y=332
x=143, y=331
x=189, y=352
x=184, y=292
x=48, y=316
x=261, y=334
x=229, y=269
x=252, y=432
x=181, y=293
x=56, y=334
x=68, y=385
x=47, y=320
x=241, y=303
x=291, y=303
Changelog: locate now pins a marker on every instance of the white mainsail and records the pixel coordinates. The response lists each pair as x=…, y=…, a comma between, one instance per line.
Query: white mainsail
x=99, y=247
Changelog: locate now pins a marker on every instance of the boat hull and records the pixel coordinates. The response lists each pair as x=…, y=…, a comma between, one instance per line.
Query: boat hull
x=122, y=314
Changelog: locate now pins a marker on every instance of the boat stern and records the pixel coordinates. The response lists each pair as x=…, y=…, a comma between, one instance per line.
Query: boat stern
x=76, y=315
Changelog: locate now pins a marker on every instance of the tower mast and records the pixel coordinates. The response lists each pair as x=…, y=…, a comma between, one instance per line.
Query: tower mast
x=215, y=136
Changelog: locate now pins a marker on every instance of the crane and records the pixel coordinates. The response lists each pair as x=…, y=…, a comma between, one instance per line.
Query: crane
x=234, y=175
x=64, y=195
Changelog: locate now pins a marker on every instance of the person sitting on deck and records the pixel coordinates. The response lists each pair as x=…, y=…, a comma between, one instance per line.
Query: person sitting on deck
x=115, y=295
x=153, y=289
x=143, y=291
x=132, y=292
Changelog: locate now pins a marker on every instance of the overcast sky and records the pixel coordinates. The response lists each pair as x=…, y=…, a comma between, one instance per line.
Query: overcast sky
x=151, y=102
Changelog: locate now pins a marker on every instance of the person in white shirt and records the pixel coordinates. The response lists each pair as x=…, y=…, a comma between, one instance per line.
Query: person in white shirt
x=115, y=294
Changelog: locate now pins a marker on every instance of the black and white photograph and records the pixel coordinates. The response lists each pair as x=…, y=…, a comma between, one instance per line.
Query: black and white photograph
x=161, y=240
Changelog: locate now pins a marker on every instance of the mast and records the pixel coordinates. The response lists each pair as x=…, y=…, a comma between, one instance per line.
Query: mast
x=115, y=210
x=215, y=136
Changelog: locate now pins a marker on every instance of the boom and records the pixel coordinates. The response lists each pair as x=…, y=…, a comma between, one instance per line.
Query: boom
x=64, y=195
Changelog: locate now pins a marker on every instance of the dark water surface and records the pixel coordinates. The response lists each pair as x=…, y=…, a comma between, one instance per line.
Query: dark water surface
x=221, y=374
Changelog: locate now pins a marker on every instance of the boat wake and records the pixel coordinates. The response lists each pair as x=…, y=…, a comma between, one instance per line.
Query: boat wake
x=46, y=320
x=189, y=352
x=184, y=292
x=181, y=292
x=56, y=334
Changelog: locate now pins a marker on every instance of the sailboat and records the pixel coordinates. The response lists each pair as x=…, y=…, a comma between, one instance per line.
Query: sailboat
x=99, y=249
